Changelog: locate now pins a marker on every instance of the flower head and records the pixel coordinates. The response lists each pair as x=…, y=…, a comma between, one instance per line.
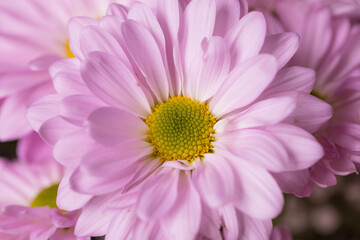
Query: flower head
x=173, y=117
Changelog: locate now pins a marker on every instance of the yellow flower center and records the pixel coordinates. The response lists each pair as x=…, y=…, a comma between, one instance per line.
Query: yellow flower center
x=181, y=129
x=68, y=52
x=46, y=197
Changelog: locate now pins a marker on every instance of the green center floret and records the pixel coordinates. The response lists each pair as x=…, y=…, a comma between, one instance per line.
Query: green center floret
x=46, y=197
x=181, y=129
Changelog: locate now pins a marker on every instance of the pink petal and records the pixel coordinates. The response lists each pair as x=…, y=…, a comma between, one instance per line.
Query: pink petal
x=244, y=84
x=54, y=129
x=195, y=27
x=292, y=182
x=254, y=228
x=158, y=195
x=10, y=83
x=227, y=15
x=259, y=147
x=32, y=149
x=346, y=135
x=311, y=112
x=43, y=63
x=259, y=194
x=77, y=108
x=142, y=47
x=94, y=220
x=117, y=10
x=112, y=126
x=75, y=26
x=206, y=76
x=183, y=220
x=246, y=37
x=292, y=79
x=267, y=112
x=70, y=149
x=67, y=199
x=114, y=83
x=214, y=180
x=230, y=225
x=303, y=149
x=283, y=46
x=94, y=38
x=42, y=110
x=322, y=176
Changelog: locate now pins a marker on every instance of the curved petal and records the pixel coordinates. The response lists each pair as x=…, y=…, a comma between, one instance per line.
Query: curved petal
x=246, y=37
x=303, y=149
x=183, y=221
x=142, y=47
x=244, y=84
x=214, y=180
x=227, y=15
x=158, y=195
x=260, y=195
x=112, y=126
x=283, y=46
x=110, y=80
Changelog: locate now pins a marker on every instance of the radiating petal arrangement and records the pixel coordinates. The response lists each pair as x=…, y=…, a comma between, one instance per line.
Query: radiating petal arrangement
x=173, y=119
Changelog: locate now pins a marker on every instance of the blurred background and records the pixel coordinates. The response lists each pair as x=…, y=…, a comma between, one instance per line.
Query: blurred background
x=331, y=214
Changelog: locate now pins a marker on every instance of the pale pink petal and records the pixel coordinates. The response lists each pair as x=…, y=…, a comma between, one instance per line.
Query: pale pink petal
x=168, y=15
x=77, y=108
x=214, y=180
x=157, y=195
x=259, y=147
x=292, y=182
x=109, y=161
x=230, y=225
x=75, y=26
x=281, y=232
x=292, y=79
x=67, y=199
x=117, y=10
x=142, y=47
x=259, y=194
x=183, y=221
x=254, y=228
x=112, y=126
x=267, y=112
x=303, y=149
x=32, y=149
x=206, y=77
x=70, y=149
x=246, y=37
x=283, y=46
x=122, y=224
x=43, y=63
x=42, y=110
x=10, y=83
x=54, y=129
x=94, y=220
x=114, y=83
x=322, y=176
x=227, y=15
x=94, y=38
x=244, y=84
x=346, y=135
x=194, y=28
x=311, y=113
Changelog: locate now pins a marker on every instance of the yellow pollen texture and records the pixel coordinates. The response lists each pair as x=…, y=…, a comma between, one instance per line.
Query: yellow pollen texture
x=68, y=51
x=181, y=129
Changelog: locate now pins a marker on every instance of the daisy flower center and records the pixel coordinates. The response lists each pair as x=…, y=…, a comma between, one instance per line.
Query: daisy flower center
x=46, y=197
x=181, y=129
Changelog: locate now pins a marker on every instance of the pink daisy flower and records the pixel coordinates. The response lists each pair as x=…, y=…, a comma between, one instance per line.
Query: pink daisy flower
x=178, y=109
x=33, y=35
x=28, y=208
x=333, y=53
